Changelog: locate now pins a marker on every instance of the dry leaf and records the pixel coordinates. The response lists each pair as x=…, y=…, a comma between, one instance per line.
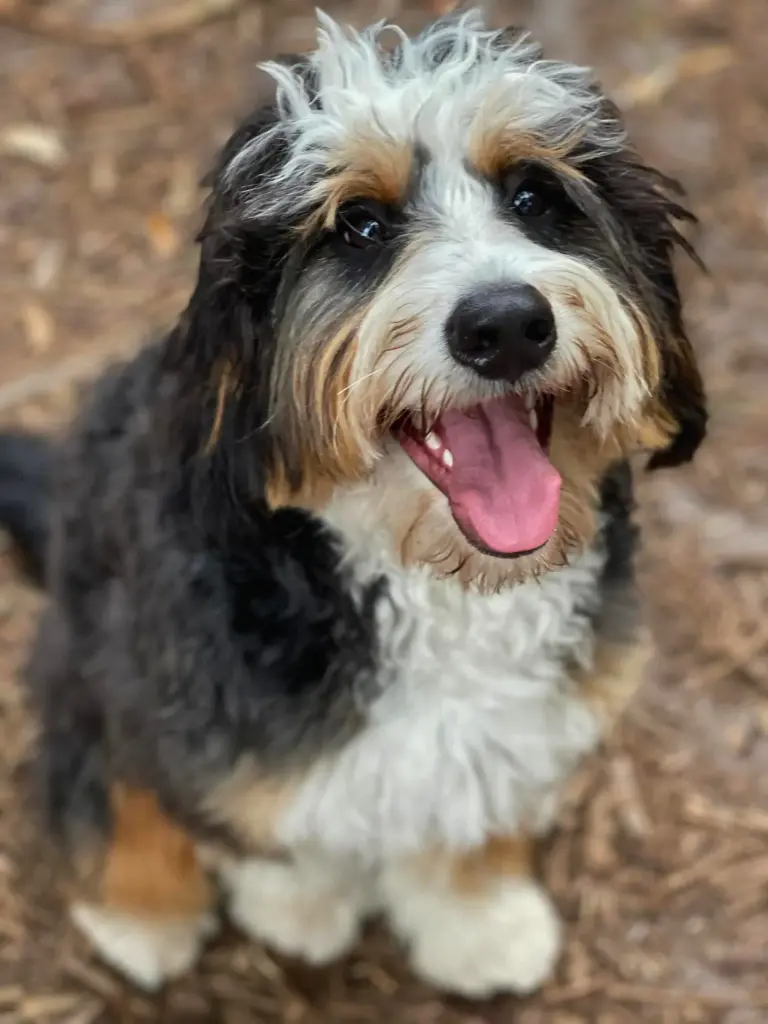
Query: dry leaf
x=162, y=235
x=35, y=142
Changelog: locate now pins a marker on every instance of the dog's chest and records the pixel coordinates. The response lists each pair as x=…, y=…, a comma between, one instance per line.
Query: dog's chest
x=475, y=722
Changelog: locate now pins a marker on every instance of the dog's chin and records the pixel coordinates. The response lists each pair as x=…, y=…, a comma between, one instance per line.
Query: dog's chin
x=491, y=463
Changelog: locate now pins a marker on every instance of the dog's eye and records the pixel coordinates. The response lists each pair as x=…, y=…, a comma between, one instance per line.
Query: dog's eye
x=359, y=226
x=532, y=199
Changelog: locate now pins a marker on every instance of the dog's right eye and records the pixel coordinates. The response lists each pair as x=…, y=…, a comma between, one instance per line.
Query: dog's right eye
x=360, y=227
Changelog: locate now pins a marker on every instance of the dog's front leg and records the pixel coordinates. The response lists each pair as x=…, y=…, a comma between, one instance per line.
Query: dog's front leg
x=309, y=906
x=476, y=923
x=143, y=899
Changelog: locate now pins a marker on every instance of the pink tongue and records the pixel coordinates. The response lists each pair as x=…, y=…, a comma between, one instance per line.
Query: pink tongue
x=503, y=489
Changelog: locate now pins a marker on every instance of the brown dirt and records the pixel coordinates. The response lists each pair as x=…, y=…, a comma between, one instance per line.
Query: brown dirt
x=660, y=864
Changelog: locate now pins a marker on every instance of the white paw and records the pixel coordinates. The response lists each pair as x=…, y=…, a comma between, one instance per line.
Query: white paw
x=506, y=940
x=148, y=953
x=300, y=910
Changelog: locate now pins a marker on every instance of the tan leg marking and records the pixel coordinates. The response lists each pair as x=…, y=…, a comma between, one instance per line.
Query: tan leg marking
x=248, y=802
x=510, y=857
x=151, y=866
x=150, y=910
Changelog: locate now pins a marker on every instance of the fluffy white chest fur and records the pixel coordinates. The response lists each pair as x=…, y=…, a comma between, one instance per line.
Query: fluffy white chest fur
x=476, y=722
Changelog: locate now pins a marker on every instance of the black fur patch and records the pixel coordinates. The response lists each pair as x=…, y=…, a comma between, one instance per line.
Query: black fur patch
x=618, y=613
x=26, y=471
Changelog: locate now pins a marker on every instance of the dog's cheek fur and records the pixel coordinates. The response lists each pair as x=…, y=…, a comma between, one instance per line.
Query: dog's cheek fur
x=323, y=425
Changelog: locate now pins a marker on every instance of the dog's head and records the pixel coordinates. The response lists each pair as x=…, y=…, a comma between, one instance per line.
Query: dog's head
x=436, y=267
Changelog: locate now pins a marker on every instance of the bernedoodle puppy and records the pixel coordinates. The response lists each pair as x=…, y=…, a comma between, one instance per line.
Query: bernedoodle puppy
x=340, y=571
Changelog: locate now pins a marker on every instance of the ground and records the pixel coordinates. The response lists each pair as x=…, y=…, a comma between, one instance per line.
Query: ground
x=111, y=109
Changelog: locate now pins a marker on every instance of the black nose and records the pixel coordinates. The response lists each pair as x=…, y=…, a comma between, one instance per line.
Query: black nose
x=502, y=332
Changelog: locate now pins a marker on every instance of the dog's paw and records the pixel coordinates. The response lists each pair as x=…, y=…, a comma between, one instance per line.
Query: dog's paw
x=148, y=953
x=507, y=940
x=295, y=910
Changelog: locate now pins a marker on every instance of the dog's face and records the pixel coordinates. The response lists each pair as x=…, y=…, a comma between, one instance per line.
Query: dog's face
x=440, y=271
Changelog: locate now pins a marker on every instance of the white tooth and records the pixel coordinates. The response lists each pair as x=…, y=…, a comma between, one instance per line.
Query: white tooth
x=533, y=419
x=432, y=441
x=529, y=401
x=447, y=459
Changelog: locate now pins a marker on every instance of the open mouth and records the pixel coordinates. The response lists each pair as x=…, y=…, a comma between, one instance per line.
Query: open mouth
x=491, y=462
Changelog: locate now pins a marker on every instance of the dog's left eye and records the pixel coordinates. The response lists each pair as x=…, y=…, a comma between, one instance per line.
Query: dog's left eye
x=534, y=194
x=532, y=200
x=359, y=226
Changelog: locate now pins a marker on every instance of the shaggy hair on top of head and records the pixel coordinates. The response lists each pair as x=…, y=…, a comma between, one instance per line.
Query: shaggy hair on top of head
x=456, y=79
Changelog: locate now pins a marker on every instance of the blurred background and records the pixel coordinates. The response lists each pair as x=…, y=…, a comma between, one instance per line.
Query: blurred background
x=110, y=111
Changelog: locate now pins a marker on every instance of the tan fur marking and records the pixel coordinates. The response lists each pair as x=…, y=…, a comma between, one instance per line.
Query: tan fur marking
x=312, y=493
x=494, y=151
x=151, y=868
x=618, y=672
x=249, y=803
x=655, y=429
x=471, y=873
x=334, y=431
x=226, y=386
x=501, y=857
x=369, y=167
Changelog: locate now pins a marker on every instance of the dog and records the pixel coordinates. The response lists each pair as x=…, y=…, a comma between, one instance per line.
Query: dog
x=340, y=571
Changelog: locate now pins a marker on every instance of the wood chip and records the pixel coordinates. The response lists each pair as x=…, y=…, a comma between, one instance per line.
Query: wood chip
x=34, y=1007
x=36, y=143
x=38, y=327
x=629, y=804
x=47, y=266
x=88, y=1013
x=699, y=809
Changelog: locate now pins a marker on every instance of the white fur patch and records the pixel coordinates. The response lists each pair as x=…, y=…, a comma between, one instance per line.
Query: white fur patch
x=311, y=908
x=507, y=939
x=454, y=72
x=147, y=952
x=476, y=724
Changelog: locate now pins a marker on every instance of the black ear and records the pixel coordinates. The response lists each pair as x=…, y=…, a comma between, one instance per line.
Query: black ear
x=648, y=207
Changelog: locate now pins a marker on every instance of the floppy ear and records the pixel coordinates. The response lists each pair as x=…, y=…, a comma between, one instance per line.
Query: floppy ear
x=226, y=343
x=647, y=204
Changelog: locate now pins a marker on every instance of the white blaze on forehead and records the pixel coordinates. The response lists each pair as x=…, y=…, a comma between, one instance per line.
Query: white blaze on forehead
x=443, y=81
